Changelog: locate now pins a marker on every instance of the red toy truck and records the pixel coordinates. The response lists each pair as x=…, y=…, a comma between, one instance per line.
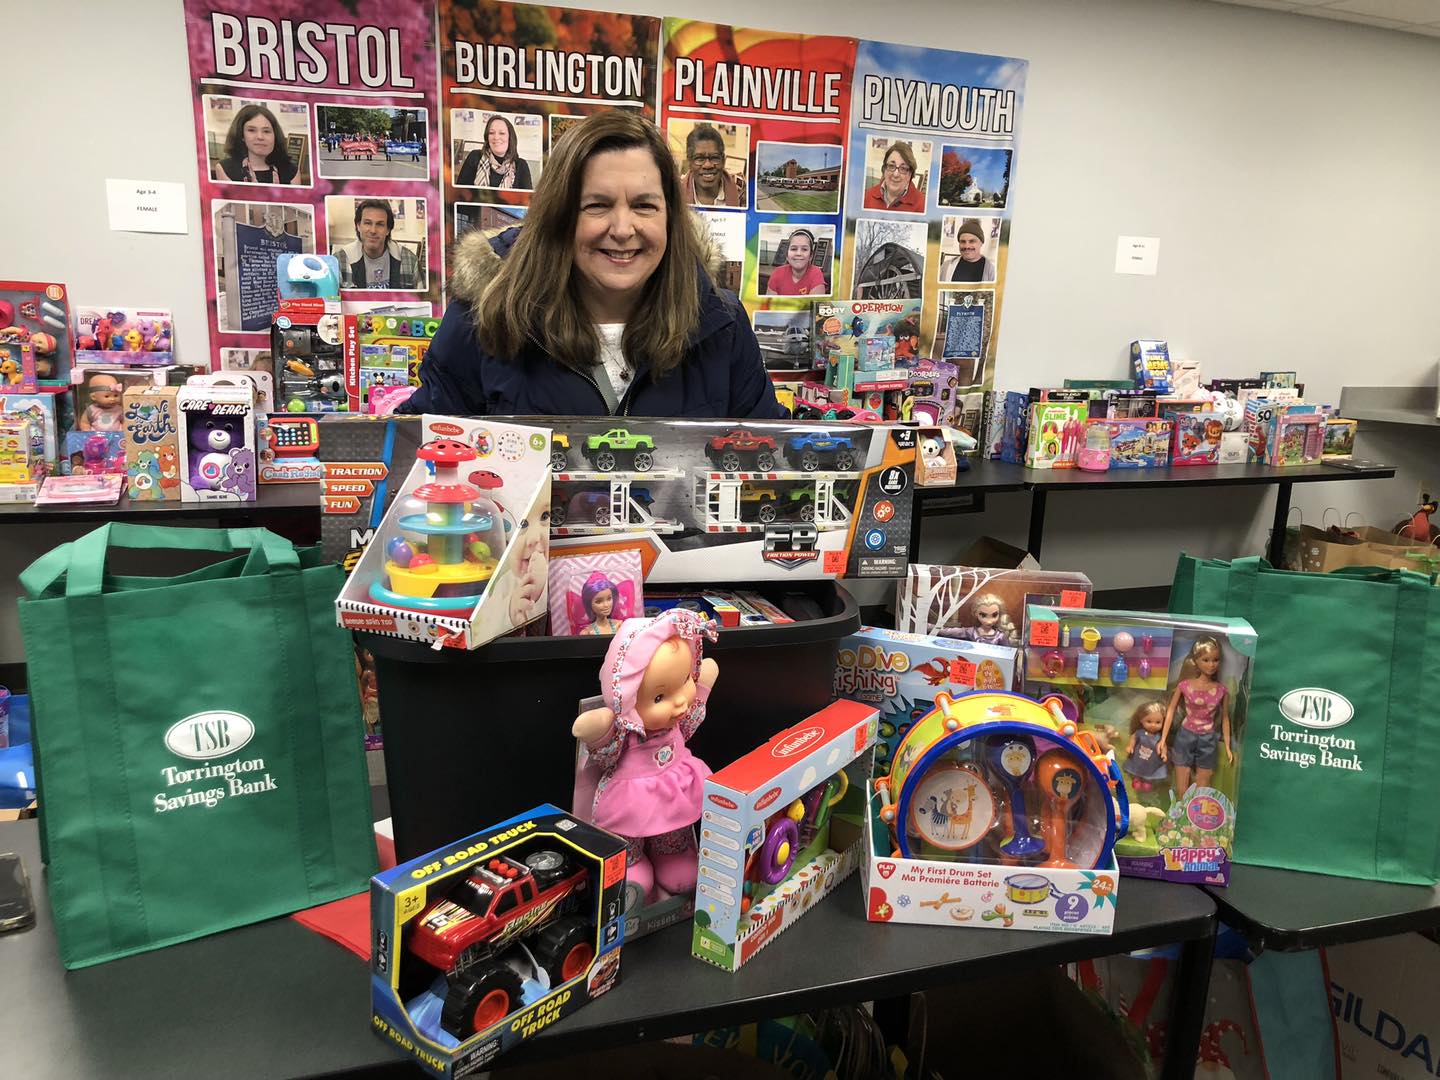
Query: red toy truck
x=732, y=450
x=501, y=901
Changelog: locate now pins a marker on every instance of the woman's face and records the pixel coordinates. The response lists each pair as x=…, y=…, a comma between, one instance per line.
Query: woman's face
x=897, y=174
x=620, y=231
x=259, y=136
x=798, y=255
x=497, y=138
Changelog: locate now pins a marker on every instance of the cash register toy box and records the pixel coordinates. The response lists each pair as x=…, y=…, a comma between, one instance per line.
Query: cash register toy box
x=773, y=839
x=726, y=501
x=460, y=556
x=1140, y=681
x=479, y=945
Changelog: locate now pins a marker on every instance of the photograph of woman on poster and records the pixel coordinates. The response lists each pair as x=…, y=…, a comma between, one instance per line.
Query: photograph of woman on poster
x=896, y=190
x=499, y=164
x=799, y=276
x=255, y=151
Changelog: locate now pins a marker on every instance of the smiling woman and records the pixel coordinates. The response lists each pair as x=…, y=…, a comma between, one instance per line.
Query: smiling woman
x=600, y=303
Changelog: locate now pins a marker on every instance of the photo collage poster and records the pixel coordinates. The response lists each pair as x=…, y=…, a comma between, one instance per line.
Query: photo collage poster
x=315, y=132
x=823, y=167
x=513, y=77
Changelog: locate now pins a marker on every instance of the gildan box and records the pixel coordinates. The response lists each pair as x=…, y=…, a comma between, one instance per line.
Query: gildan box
x=771, y=844
x=899, y=674
x=481, y=944
x=1385, y=997
x=152, y=443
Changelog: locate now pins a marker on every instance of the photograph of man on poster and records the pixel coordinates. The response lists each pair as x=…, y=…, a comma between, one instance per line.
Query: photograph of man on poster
x=969, y=248
x=374, y=251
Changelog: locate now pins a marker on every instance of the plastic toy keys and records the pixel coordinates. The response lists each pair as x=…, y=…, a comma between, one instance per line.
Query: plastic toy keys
x=1087, y=661
x=1058, y=776
x=1011, y=759
x=445, y=574
x=1119, y=669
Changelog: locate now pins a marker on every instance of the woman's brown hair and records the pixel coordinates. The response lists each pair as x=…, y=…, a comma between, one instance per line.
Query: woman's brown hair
x=522, y=306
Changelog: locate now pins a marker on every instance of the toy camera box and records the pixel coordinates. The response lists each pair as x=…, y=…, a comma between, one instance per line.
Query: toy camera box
x=774, y=837
x=1150, y=365
x=479, y=945
x=363, y=460
x=1196, y=437
x=217, y=443
x=981, y=829
x=973, y=603
x=460, y=555
x=717, y=501
x=1142, y=682
x=899, y=674
x=38, y=313
x=152, y=443
x=1136, y=444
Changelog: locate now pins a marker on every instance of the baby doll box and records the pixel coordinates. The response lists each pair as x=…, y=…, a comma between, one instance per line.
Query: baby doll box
x=1118, y=666
x=509, y=466
x=750, y=837
x=447, y=709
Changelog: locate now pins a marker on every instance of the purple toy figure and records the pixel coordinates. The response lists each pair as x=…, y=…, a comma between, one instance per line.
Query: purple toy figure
x=597, y=600
x=639, y=778
x=209, y=441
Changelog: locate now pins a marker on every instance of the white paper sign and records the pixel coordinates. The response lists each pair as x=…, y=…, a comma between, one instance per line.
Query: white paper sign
x=154, y=206
x=1137, y=255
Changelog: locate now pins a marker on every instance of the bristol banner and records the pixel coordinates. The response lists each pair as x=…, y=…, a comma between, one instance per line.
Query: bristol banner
x=825, y=168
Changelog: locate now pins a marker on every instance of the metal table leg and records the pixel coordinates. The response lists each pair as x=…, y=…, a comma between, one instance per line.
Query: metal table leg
x=1276, y=554
x=1187, y=1008
x=1037, y=520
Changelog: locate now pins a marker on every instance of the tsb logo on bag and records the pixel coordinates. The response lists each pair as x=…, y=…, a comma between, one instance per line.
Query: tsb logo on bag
x=1312, y=707
x=211, y=734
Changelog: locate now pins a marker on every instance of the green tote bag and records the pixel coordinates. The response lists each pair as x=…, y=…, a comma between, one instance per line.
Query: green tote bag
x=197, y=738
x=1344, y=732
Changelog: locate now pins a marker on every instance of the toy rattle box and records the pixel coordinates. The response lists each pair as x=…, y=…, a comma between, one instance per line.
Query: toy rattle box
x=772, y=841
x=480, y=945
x=459, y=558
x=1169, y=695
x=996, y=810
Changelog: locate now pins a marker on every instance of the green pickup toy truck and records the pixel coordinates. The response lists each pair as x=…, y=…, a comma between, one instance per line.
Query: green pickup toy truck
x=609, y=448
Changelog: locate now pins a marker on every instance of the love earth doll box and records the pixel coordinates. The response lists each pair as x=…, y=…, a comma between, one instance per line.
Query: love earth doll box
x=1170, y=697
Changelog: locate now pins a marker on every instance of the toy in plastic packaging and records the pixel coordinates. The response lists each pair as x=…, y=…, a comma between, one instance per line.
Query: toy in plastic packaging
x=592, y=593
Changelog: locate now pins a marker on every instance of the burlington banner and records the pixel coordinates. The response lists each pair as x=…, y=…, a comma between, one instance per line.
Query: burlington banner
x=824, y=168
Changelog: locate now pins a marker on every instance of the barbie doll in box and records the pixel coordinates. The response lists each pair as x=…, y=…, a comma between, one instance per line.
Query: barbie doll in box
x=1197, y=744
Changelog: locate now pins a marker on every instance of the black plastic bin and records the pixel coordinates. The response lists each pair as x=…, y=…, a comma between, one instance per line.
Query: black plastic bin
x=472, y=738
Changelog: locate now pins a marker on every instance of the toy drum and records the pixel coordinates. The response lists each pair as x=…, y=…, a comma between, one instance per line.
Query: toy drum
x=1027, y=888
x=1001, y=778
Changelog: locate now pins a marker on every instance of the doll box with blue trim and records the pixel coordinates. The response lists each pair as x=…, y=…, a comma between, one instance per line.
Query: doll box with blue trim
x=481, y=944
x=935, y=892
x=1123, y=672
x=779, y=830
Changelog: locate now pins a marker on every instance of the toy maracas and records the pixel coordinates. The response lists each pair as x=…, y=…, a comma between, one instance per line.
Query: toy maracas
x=1010, y=757
x=1058, y=776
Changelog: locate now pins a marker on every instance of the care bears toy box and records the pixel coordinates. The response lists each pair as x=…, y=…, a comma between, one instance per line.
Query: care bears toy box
x=152, y=443
x=778, y=831
x=899, y=674
x=217, y=443
x=719, y=501
x=460, y=556
x=1169, y=697
x=481, y=944
x=993, y=812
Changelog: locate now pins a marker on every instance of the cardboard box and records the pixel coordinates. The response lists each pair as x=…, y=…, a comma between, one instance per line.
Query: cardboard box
x=1130, y=670
x=1136, y=444
x=760, y=867
x=1385, y=997
x=1340, y=437
x=38, y=313
x=515, y=927
x=942, y=599
x=939, y=892
x=217, y=443
x=1195, y=439
x=17, y=368
x=1150, y=365
x=363, y=460
x=736, y=501
x=491, y=579
x=899, y=674
x=22, y=467
x=1057, y=428
x=384, y=349
x=152, y=443
x=42, y=409
x=935, y=464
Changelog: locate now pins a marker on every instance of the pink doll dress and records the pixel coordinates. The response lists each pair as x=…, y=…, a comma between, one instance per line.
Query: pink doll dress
x=640, y=785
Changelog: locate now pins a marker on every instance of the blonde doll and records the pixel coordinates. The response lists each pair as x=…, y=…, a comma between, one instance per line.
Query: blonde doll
x=992, y=623
x=1145, y=766
x=1196, y=746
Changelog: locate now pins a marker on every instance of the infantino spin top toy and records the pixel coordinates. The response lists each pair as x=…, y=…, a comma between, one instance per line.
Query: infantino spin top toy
x=999, y=778
x=445, y=573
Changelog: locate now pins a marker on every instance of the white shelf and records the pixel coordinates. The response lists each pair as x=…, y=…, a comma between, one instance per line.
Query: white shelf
x=1415, y=405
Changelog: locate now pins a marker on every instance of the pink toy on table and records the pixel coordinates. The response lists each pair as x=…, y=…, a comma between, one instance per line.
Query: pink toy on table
x=639, y=779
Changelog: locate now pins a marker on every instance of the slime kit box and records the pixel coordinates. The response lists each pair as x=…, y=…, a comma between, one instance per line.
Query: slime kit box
x=481, y=944
x=1143, y=683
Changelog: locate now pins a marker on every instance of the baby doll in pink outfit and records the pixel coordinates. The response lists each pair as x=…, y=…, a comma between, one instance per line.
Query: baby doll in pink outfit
x=640, y=780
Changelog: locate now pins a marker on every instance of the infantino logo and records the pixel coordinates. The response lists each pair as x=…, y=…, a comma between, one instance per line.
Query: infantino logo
x=150, y=422
x=869, y=669
x=1313, y=707
x=201, y=737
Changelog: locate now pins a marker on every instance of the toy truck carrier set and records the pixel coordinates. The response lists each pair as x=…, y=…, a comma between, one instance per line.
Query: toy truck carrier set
x=481, y=944
x=736, y=500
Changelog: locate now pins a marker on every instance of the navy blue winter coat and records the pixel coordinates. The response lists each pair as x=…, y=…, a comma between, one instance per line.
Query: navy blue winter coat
x=722, y=373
